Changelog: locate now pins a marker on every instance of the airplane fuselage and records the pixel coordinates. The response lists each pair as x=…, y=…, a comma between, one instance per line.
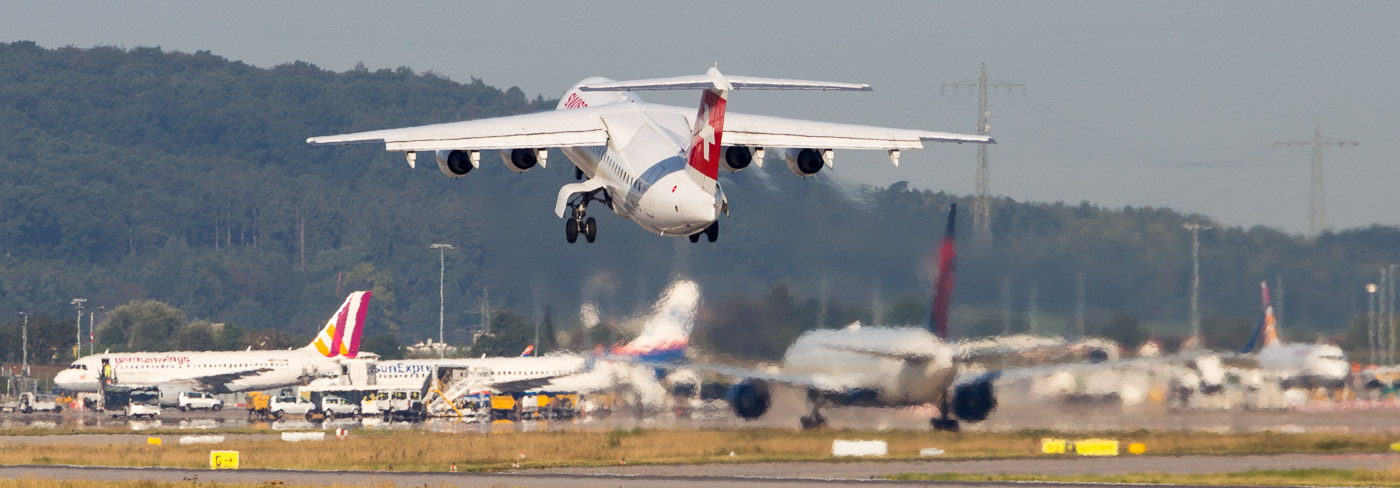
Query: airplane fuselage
x=889, y=381
x=413, y=372
x=643, y=166
x=1306, y=364
x=246, y=370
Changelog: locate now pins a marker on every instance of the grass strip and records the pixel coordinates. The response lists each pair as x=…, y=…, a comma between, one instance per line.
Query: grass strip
x=1290, y=477
x=431, y=451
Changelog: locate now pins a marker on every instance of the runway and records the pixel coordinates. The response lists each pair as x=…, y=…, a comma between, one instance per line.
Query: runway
x=786, y=474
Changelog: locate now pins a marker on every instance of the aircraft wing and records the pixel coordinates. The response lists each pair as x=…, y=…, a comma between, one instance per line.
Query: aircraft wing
x=561, y=128
x=765, y=131
x=217, y=383
x=821, y=382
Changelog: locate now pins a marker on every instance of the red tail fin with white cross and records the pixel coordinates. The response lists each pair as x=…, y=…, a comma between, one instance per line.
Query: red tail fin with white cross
x=706, y=138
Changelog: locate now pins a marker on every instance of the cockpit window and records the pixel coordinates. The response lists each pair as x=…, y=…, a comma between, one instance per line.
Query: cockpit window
x=78, y=366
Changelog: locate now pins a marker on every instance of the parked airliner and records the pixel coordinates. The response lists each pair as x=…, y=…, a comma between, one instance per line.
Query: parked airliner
x=1295, y=364
x=227, y=371
x=665, y=336
x=656, y=165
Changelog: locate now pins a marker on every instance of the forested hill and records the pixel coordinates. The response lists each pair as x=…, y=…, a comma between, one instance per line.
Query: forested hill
x=185, y=178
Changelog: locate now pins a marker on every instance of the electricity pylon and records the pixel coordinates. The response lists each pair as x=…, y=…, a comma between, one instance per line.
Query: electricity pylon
x=982, y=205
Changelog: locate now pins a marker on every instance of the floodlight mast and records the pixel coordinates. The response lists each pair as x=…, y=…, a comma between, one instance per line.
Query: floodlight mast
x=78, y=347
x=24, y=337
x=442, y=275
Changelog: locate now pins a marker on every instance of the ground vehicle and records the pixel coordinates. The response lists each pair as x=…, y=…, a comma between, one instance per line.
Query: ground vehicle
x=194, y=400
x=334, y=406
x=258, y=405
x=143, y=402
x=283, y=405
x=402, y=404
x=29, y=402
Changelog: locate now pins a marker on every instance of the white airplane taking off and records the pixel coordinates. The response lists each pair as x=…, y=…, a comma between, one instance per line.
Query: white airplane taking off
x=656, y=165
x=227, y=371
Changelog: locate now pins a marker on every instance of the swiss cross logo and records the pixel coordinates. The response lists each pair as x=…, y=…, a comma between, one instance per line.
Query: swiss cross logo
x=574, y=102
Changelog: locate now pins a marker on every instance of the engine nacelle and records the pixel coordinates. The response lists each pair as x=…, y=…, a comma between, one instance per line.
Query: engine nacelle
x=522, y=160
x=750, y=399
x=974, y=401
x=457, y=163
x=739, y=157
x=804, y=162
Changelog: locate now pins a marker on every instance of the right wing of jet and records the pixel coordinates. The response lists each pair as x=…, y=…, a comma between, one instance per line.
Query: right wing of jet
x=578, y=127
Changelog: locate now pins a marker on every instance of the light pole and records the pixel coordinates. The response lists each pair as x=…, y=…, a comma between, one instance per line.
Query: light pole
x=442, y=274
x=1195, y=280
x=24, y=337
x=1371, y=319
x=78, y=350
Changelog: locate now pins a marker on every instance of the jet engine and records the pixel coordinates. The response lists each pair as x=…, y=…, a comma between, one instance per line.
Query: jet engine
x=804, y=162
x=522, y=160
x=974, y=401
x=455, y=163
x=739, y=157
x=750, y=399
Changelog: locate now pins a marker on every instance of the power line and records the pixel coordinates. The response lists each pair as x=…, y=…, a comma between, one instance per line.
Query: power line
x=1317, y=204
x=982, y=205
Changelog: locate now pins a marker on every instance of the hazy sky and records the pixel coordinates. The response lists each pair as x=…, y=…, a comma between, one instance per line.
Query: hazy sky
x=1173, y=104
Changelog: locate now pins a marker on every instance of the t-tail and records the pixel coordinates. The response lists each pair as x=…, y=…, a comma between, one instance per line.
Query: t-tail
x=702, y=157
x=666, y=335
x=947, y=273
x=341, y=335
x=1267, y=327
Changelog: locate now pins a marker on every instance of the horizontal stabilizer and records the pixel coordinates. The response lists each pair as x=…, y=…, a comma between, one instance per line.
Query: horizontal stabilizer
x=713, y=80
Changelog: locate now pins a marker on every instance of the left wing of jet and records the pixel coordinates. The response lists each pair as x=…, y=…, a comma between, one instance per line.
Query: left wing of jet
x=765, y=131
x=578, y=127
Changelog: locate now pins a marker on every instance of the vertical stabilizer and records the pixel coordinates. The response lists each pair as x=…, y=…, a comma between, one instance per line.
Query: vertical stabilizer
x=706, y=138
x=947, y=273
x=341, y=335
x=1267, y=327
x=666, y=335
x=1270, y=325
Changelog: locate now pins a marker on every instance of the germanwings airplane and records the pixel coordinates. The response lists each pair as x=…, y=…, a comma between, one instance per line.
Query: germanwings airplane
x=229, y=371
x=656, y=165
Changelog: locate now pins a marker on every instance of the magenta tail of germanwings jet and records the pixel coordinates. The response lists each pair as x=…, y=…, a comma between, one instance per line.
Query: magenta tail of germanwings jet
x=341, y=335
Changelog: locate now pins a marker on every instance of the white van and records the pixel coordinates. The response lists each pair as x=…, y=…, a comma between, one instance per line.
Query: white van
x=195, y=400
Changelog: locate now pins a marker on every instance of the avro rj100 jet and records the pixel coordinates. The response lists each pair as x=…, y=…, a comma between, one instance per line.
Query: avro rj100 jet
x=656, y=165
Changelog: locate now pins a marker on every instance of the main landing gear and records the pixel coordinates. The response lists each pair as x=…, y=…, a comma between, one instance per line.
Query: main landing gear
x=814, y=418
x=711, y=233
x=944, y=422
x=578, y=222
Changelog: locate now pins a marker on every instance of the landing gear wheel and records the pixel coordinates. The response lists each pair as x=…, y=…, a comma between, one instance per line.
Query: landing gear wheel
x=571, y=230
x=590, y=229
x=813, y=422
x=945, y=425
x=578, y=174
x=712, y=232
x=695, y=237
